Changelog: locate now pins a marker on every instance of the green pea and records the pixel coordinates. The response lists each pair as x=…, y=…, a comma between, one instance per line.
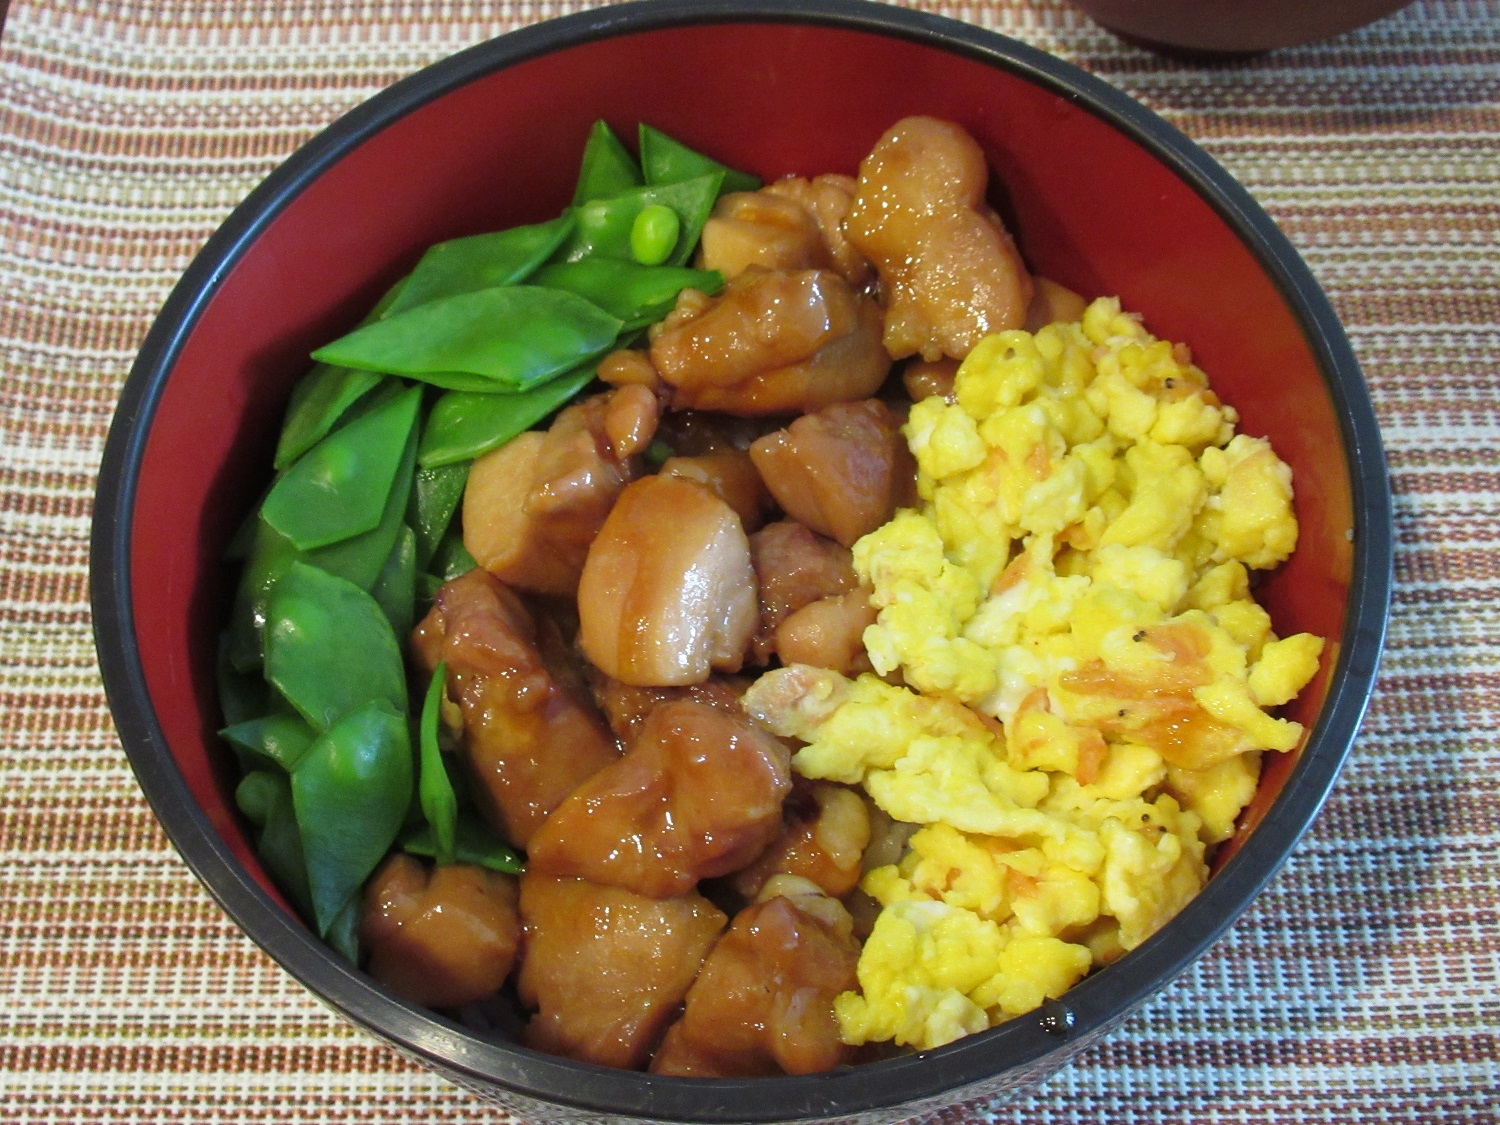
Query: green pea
x=653, y=235
x=339, y=487
x=255, y=794
x=351, y=791
x=439, y=803
x=605, y=225
x=514, y=336
x=329, y=648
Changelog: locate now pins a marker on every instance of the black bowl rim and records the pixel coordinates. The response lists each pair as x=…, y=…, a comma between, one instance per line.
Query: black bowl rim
x=1016, y=1047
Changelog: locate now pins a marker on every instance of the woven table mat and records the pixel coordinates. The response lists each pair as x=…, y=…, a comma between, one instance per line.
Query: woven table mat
x=1362, y=986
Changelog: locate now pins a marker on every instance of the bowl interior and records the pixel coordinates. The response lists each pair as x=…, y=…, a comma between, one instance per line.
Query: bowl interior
x=1093, y=207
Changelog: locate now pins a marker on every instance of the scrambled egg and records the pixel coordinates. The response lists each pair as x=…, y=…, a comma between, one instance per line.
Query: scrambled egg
x=1072, y=676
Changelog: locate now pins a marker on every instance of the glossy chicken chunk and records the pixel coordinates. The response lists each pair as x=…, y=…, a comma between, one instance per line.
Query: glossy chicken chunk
x=605, y=969
x=626, y=706
x=532, y=507
x=668, y=590
x=825, y=830
x=443, y=937
x=758, y=228
x=841, y=471
x=934, y=378
x=829, y=633
x=697, y=794
x=793, y=568
x=763, y=1003
x=529, y=736
x=1051, y=303
x=774, y=342
x=828, y=199
x=732, y=477
x=950, y=271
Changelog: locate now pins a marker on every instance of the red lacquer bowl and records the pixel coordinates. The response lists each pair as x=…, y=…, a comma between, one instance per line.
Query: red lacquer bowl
x=1105, y=197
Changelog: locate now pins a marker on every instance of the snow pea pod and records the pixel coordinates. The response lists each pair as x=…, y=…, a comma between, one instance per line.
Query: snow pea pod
x=434, y=789
x=481, y=261
x=515, y=336
x=359, y=559
x=266, y=800
x=473, y=842
x=435, y=496
x=351, y=791
x=463, y=425
x=450, y=560
x=604, y=225
x=322, y=396
x=319, y=400
x=395, y=590
x=665, y=160
x=339, y=487
x=280, y=738
x=638, y=295
x=243, y=694
x=329, y=648
x=607, y=167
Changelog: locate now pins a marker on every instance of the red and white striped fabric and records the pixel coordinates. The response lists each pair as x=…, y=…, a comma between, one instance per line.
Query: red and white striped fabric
x=1363, y=986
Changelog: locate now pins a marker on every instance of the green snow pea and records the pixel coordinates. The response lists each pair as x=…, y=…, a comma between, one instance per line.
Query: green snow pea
x=638, y=295
x=668, y=161
x=339, y=487
x=319, y=400
x=515, y=336
x=329, y=648
x=451, y=558
x=359, y=559
x=242, y=693
x=463, y=425
x=481, y=261
x=604, y=225
x=269, y=558
x=351, y=791
x=473, y=842
x=435, y=496
x=266, y=800
x=395, y=590
x=434, y=789
x=281, y=738
x=343, y=933
x=324, y=395
x=607, y=167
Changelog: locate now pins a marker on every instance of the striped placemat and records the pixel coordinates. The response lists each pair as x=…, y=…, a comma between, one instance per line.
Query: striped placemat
x=1362, y=986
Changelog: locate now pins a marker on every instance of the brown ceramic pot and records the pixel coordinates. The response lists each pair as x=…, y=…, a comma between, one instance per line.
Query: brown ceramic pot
x=1229, y=27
